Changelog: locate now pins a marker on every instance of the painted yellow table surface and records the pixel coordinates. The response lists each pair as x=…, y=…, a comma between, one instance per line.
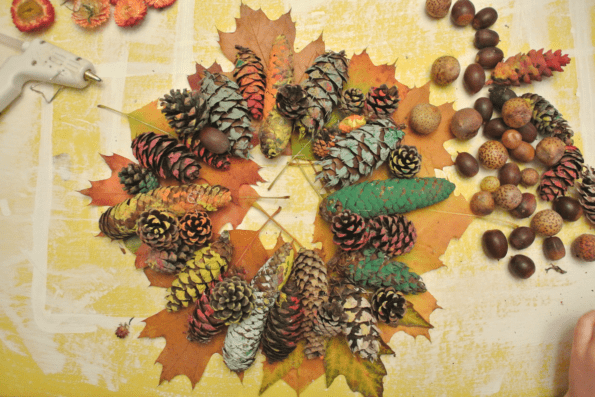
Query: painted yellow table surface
x=64, y=292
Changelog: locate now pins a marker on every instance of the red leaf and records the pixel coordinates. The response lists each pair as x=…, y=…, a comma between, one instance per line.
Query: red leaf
x=109, y=191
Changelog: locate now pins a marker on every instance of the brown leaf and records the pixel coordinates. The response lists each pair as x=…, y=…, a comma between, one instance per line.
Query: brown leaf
x=241, y=172
x=310, y=370
x=363, y=74
x=109, y=191
x=303, y=59
x=141, y=256
x=195, y=79
x=277, y=371
x=157, y=279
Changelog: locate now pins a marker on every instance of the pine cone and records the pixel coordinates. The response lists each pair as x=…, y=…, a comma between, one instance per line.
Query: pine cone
x=228, y=112
x=165, y=156
x=185, y=111
x=195, y=229
x=292, y=101
x=324, y=85
x=171, y=260
x=393, y=234
x=547, y=119
x=389, y=305
x=322, y=143
x=206, y=266
x=330, y=317
x=284, y=325
x=158, y=229
x=359, y=153
x=586, y=191
x=202, y=325
x=556, y=181
x=360, y=328
x=217, y=161
x=250, y=76
x=405, y=161
x=353, y=101
x=524, y=68
x=232, y=300
x=350, y=231
x=310, y=275
x=381, y=102
x=275, y=272
x=137, y=179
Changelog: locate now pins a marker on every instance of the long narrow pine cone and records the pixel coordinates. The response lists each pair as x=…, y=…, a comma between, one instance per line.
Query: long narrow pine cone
x=171, y=260
x=228, y=112
x=283, y=328
x=120, y=221
x=350, y=231
x=360, y=324
x=165, y=156
x=136, y=179
x=548, y=120
x=186, y=111
x=404, y=161
x=525, y=68
x=381, y=102
x=196, y=229
x=202, y=325
x=389, y=305
x=324, y=86
x=217, y=161
x=353, y=101
x=275, y=272
x=292, y=101
x=158, y=229
x=586, y=191
x=250, y=76
x=206, y=266
x=556, y=181
x=392, y=234
x=359, y=153
x=310, y=274
x=232, y=299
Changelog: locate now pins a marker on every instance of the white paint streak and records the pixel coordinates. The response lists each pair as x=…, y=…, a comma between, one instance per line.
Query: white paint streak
x=4, y=207
x=183, y=62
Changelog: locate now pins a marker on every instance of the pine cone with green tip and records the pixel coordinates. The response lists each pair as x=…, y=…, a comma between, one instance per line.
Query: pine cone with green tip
x=158, y=229
x=389, y=305
x=393, y=234
x=185, y=111
x=205, y=267
x=350, y=231
x=195, y=229
x=171, y=260
x=353, y=101
x=137, y=179
x=232, y=300
x=165, y=156
x=586, y=192
x=250, y=76
x=228, y=112
x=359, y=153
x=381, y=102
x=202, y=325
x=556, y=181
x=547, y=119
x=405, y=161
x=292, y=101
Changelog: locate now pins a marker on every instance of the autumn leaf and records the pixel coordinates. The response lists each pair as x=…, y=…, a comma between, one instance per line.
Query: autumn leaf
x=363, y=376
x=195, y=79
x=109, y=191
x=278, y=370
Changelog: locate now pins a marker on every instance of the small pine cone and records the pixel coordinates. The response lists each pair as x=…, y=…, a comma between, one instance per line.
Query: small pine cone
x=353, y=101
x=556, y=181
x=202, y=325
x=381, y=102
x=405, y=161
x=389, y=305
x=586, y=191
x=158, y=229
x=195, y=229
x=165, y=156
x=250, y=76
x=283, y=328
x=232, y=300
x=350, y=231
x=323, y=141
x=137, y=179
x=292, y=101
x=185, y=111
x=393, y=234
x=169, y=261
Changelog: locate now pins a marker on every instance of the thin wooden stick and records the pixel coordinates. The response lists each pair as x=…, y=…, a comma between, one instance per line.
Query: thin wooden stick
x=286, y=165
x=258, y=233
x=131, y=117
x=310, y=182
x=258, y=207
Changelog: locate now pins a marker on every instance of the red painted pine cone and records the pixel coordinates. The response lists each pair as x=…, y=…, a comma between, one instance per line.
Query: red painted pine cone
x=350, y=231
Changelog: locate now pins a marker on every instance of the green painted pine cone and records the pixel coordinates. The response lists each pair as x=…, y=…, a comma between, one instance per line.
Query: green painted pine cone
x=195, y=229
x=405, y=161
x=389, y=305
x=350, y=231
x=158, y=229
x=136, y=179
x=232, y=300
x=393, y=234
x=353, y=101
x=381, y=102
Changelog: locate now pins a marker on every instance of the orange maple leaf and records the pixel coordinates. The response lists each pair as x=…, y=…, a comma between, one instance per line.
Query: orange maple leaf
x=109, y=191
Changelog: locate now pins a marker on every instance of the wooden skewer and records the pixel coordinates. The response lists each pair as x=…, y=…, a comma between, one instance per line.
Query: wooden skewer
x=286, y=165
x=258, y=207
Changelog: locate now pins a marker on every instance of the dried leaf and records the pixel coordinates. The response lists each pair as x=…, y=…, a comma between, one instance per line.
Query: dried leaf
x=195, y=79
x=305, y=58
x=277, y=371
x=150, y=115
x=157, y=279
x=109, y=191
x=300, y=378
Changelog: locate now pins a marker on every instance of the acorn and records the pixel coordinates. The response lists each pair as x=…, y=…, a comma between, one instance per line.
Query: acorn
x=465, y=123
x=553, y=248
x=474, y=78
x=489, y=57
x=583, y=247
x=484, y=18
x=521, y=266
x=482, y=203
x=569, y=208
x=466, y=164
x=516, y=112
x=486, y=38
x=508, y=197
x=526, y=208
x=492, y=155
x=547, y=223
x=424, y=118
x=438, y=8
x=499, y=94
x=484, y=107
x=462, y=13
x=489, y=183
x=550, y=150
x=445, y=70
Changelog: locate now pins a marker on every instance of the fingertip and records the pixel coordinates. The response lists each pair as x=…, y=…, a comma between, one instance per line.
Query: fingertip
x=584, y=331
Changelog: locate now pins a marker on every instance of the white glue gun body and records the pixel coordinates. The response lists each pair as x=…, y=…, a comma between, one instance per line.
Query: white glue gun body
x=43, y=62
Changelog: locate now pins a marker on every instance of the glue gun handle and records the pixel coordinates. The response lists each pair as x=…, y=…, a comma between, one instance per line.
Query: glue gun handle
x=12, y=81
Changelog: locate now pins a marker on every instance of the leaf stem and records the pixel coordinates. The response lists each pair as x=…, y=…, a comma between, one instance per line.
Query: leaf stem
x=257, y=234
x=287, y=165
x=131, y=117
x=258, y=207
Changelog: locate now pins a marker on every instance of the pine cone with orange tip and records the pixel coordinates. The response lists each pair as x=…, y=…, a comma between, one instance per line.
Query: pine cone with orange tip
x=158, y=229
x=392, y=234
x=195, y=229
x=381, y=102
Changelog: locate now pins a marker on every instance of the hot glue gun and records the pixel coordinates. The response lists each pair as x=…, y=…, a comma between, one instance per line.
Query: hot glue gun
x=43, y=62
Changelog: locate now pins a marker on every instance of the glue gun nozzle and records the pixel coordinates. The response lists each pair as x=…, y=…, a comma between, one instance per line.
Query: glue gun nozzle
x=92, y=76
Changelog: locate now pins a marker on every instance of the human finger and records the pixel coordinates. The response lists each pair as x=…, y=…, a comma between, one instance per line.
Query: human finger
x=584, y=332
